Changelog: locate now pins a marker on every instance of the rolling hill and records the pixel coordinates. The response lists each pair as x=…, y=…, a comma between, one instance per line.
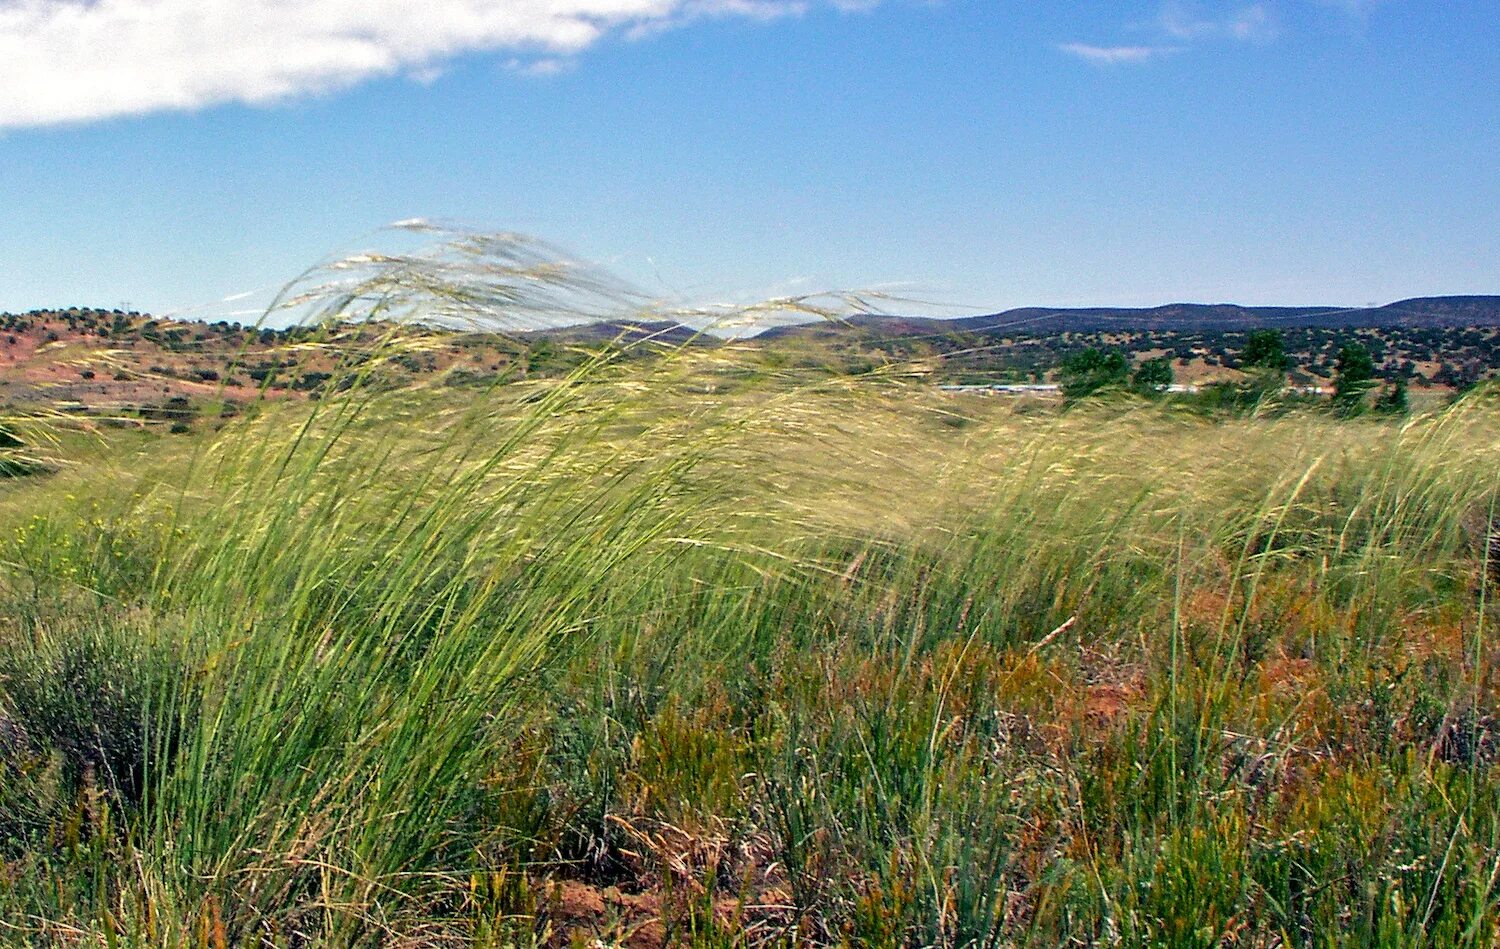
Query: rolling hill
x=1423, y=312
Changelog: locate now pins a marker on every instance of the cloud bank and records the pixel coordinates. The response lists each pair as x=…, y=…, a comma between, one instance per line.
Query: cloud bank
x=80, y=60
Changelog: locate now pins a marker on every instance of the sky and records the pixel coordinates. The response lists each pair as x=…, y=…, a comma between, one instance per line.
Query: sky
x=169, y=155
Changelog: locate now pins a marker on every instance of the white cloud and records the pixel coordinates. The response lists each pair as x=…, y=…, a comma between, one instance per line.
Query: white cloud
x=690, y=11
x=1115, y=55
x=79, y=60
x=1189, y=21
x=541, y=66
x=1254, y=22
x=1186, y=24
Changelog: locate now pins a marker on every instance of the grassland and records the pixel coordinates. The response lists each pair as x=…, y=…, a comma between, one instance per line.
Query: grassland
x=690, y=652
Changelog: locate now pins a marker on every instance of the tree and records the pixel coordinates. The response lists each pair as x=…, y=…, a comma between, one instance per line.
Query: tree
x=539, y=356
x=1265, y=349
x=1086, y=372
x=1356, y=374
x=1154, y=375
x=1460, y=376
x=1393, y=400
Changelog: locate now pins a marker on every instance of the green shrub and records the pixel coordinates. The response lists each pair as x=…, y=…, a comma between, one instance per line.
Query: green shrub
x=1092, y=370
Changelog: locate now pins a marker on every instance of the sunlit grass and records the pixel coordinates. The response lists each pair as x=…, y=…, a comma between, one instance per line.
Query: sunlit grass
x=702, y=651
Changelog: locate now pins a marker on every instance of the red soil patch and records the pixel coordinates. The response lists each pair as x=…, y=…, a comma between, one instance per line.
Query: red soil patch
x=1106, y=702
x=612, y=917
x=1286, y=676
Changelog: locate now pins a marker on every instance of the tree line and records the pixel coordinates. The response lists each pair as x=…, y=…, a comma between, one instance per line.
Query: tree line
x=1263, y=359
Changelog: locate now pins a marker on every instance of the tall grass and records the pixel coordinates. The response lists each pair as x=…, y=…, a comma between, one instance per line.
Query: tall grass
x=697, y=651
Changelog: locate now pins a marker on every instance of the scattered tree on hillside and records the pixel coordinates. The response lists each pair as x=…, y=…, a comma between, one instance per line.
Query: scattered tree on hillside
x=1460, y=375
x=1356, y=374
x=538, y=356
x=1265, y=349
x=1091, y=370
x=1393, y=400
x=1154, y=375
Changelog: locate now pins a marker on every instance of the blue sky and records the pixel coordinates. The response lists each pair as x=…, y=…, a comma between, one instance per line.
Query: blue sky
x=169, y=153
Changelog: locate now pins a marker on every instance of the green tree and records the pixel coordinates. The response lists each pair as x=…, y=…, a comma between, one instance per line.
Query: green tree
x=1154, y=375
x=1356, y=375
x=1265, y=349
x=1091, y=370
x=1393, y=399
x=539, y=357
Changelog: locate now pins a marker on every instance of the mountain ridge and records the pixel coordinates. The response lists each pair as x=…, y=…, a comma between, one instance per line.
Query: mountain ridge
x=1437, y=311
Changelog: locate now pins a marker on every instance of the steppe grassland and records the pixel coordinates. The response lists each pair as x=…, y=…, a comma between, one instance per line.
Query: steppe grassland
x=695, y=652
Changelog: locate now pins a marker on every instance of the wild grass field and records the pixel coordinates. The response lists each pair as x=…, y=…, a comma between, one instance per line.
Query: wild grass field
x=689, y=653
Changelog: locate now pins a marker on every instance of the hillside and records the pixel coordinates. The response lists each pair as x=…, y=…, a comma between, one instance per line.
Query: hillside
x=1426, y=312
x=627, y=332
x=1440, y=342
x=132, y=366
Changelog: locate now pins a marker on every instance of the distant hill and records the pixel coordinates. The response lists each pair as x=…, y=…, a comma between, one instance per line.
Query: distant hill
x=624, y=332
x=1424, y=312
x=132, y=366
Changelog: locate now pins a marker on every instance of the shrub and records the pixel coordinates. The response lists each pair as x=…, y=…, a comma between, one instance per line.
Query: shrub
x=1154, y=375
x=1356, y=375
x=85, y=696
x=1265, y=349
x=1093, y=370
x=1393, y=399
